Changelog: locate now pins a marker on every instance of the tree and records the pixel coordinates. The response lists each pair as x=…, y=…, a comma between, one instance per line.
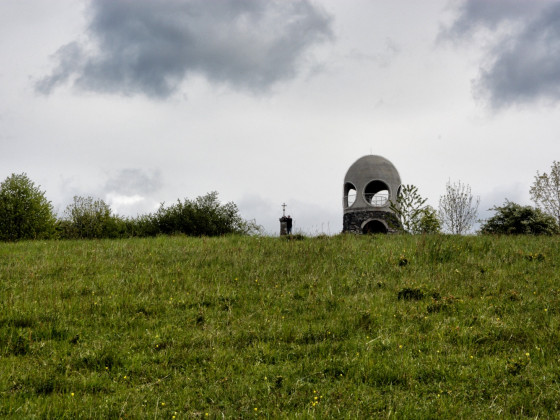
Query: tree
x=457, y=210
x=514, y=219
x=409, y=208
x=429, y=222
x=25, y=213
x=88, y=218
x=545, y=191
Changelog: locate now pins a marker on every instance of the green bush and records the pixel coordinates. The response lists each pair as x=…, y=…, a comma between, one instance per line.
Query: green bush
x=415, y=217
x=141, y=226
x=25, y=213
x=204, y=216
x=429, y=222
x=87, y=218
x=514, y=219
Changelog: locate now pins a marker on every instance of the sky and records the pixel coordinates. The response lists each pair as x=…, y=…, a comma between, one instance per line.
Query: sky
x=143, y=102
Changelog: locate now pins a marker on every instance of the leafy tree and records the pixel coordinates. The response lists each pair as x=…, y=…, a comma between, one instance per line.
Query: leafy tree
x=429, y=222
x=545, y=191
x=514, y=219
x=88, y=218
x=25, y=213
x=457, y=208
x=408, y=207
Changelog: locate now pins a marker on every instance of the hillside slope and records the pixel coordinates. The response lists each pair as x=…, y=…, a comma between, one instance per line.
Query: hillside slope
x=343, y=327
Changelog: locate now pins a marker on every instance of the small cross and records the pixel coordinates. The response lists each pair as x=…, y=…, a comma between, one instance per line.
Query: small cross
x=284, y=209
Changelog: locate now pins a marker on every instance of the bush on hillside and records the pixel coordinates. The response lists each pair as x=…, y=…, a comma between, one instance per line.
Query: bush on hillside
x=88, y=218
x=204, y=216
x=514, y=219
x=141, y=226
x=25, y=213
x=428, y=222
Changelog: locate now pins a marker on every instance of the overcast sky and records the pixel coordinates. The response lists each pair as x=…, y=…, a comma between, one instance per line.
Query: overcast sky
x=149, y=101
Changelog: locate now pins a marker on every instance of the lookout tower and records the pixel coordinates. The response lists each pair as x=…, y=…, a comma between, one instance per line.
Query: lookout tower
x=370, y=185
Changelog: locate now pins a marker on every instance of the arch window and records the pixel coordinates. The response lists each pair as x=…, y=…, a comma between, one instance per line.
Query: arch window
x=349, y=194
x=376, y=193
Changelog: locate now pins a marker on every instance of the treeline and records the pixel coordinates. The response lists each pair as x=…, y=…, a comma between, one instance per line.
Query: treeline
x=458, y=210
x=25, y=213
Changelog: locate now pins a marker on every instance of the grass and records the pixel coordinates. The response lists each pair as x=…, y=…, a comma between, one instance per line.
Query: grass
x=343, y=327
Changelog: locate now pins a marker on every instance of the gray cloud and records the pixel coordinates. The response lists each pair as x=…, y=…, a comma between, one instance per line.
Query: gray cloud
x=151, y=46
x=475, y=15
x=69, y=58
x=522, y=66
x=134, y=181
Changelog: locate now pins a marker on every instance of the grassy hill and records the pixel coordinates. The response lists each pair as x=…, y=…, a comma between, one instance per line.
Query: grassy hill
x=342, y=327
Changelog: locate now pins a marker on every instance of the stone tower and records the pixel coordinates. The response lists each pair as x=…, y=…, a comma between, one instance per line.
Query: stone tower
x=370, y=185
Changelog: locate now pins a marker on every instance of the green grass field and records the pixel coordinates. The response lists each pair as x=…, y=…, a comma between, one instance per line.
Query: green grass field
x=248, y=327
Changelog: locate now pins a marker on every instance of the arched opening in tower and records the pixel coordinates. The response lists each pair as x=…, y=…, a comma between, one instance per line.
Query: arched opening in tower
x=373, y=227
x=349, y=194
x=376, y=193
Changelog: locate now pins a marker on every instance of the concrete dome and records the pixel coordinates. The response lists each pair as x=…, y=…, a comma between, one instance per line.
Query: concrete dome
x=372, y=167
x=375, y=182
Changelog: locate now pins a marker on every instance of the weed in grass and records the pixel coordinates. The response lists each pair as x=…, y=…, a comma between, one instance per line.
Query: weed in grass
x=409, y=293
x=18, y=345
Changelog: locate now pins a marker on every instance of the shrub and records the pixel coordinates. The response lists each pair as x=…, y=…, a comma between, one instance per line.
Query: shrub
x=204, y=216
x=514, y=219
x=141, y=226
x=90, y=218
x=25, y=213
x=414, y=215
x=429, y=222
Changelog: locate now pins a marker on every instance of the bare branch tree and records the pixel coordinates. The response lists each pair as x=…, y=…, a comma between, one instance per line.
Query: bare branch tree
x=457, y=208
x=545, y=191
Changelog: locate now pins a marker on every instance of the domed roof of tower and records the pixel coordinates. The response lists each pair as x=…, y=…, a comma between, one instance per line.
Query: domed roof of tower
x=372, y=167
x=371, y=185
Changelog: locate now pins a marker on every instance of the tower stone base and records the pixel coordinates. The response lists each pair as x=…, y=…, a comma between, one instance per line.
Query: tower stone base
x=370, y=221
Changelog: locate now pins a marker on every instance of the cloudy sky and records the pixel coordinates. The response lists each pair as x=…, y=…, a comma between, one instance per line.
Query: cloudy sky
x=140, y=102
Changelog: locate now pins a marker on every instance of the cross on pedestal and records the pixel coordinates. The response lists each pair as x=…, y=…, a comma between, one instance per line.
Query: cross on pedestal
x=284, y=209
